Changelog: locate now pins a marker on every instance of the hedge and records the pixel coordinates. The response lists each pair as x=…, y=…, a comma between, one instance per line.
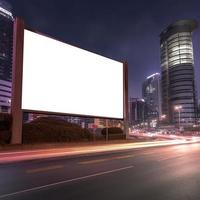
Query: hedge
x=112, y=130
x=5, y=128
x=5, y=137
x=49, y=129
x=114, y=133
x=5, y=121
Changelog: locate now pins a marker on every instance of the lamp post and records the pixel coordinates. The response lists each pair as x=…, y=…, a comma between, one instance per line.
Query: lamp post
x=163, y=117
x=178, y=109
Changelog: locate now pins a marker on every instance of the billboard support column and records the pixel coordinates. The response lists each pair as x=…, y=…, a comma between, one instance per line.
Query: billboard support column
x=126, y=99
x=17, y=67
x=107, y=130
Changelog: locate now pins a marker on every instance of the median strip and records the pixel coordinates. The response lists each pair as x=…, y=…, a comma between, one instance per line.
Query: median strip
x=93, y=161
x=103, y=160
x=43, y=169
x=123, y=157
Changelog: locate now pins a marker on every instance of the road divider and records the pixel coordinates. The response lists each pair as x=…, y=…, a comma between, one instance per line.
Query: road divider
x=104, y=160
x=43, y=169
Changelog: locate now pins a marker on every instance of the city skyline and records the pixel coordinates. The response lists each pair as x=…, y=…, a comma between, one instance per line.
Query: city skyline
x=92, y=26
x=69, y=129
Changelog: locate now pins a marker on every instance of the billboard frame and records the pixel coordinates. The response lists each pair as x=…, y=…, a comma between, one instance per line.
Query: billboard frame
x=17, y=78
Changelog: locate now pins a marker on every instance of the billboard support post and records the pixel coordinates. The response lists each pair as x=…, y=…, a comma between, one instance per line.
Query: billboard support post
x=106, y=130
x=17, y=67
x=125, y=65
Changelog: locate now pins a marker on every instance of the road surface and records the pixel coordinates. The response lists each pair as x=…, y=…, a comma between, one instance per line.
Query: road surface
x=154, y=173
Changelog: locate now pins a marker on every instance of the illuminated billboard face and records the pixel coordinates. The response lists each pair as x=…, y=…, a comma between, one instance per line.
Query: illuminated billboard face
x=61, y=78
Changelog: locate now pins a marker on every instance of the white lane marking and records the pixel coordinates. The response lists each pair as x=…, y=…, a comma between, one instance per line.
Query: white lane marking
x=66, y=181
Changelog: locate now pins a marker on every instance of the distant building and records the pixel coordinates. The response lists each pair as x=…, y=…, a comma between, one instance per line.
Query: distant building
x=84, y=122
x=6, y=42
x=5, y=96
x=87, y=122
x=151, y=93
x=136, y=111
x=102, y=123
x=178, y=79
x=198, y=113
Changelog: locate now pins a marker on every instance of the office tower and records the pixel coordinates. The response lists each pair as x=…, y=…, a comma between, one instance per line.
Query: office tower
x=6, y=42
x=136, y=111
x=152, y=96
x=6, y=38
x=198, y=113
x=5, y=96
x=177, y=73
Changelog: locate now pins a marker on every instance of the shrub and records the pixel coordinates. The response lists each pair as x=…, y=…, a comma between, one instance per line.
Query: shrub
x=5, y=128
x=5, y=121
x=49, y=129
x=112, y=130
x=5, y=137
x=114, y=133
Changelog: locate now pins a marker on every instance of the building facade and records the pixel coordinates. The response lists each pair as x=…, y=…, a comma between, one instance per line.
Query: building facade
x=136, y=111
x=177, y=73
x=198, y=113
x=6, y=42
x=6, y=38
x=5, y=96
x=151, y=93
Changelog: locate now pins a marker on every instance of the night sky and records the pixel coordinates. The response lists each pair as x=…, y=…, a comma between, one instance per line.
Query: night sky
x=118, y=29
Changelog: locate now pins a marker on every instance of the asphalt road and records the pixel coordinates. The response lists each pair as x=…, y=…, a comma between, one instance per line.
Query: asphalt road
x=163, y=173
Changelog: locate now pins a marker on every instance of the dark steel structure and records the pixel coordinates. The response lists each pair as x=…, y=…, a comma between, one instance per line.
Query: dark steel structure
x=177, y=73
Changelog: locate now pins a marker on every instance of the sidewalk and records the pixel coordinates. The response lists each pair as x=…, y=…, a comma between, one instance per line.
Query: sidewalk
x=14, y=154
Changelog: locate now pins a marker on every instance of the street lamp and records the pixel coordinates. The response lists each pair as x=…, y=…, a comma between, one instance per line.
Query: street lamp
x=163, y=117
x=178, y=109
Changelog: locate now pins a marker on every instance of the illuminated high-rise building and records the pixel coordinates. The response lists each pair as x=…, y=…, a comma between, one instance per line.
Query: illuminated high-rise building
x=151, y=93
x=6, y=42
x=177, y=73
x=136, y=111
x=198, y=113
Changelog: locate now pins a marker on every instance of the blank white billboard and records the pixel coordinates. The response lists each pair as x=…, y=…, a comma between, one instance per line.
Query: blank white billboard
x=61, y=78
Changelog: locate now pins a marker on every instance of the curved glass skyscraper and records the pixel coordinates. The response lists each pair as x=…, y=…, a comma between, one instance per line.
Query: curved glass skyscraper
x=177, y=73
